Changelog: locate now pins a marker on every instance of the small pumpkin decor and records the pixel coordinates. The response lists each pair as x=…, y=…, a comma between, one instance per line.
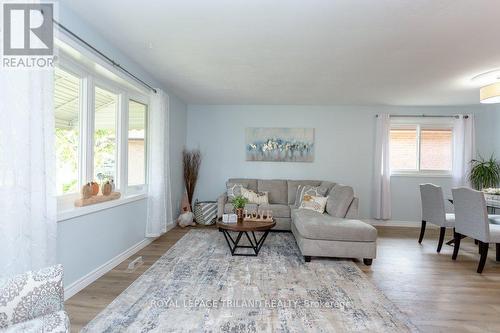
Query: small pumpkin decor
x=95, y=188
x=86, y=191
x=106, y=188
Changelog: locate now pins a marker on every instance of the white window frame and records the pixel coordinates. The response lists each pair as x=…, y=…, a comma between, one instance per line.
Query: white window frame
x=90, y=78
x=139, y=188
x=422, y=124
x=76, y=71
x=102, y=84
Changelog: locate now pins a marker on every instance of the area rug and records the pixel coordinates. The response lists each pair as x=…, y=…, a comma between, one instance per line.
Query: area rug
x=197, y=286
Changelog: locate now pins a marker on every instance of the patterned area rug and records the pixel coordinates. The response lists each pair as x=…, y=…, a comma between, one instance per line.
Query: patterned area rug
x=197, y=286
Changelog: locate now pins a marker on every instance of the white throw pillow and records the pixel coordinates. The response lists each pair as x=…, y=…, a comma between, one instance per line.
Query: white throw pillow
x=259, y=198
x=233, y=190
x=311, y=202
x=317, y=191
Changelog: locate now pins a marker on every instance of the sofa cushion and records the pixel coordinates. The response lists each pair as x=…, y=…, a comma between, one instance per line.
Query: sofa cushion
x=277, y=189
x=248, y=183
x=294, y=184
x=339, y=200
x=303, y=190
x=313, y=225
x=228, y=208
x=278, y=210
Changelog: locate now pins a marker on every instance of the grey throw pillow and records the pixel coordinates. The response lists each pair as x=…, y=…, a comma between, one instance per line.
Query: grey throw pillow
x=339, y=200
x=233, y=190
x=315, y=191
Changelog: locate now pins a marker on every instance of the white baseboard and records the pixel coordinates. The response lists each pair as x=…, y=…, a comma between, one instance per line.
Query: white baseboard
x=87, y=279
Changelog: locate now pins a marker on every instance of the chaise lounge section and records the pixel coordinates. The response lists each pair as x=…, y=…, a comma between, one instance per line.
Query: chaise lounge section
x=336, y=233
x=322, y=235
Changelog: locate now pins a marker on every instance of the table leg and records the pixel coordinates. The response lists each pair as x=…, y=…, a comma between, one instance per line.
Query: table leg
x=255, y=244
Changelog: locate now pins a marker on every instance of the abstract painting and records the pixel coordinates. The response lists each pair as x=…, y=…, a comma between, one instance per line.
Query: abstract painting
x=280, y=144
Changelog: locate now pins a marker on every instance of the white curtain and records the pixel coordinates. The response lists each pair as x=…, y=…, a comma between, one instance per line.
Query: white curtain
x=28, y=207
x=382, y=170
x=159, y=194
x=464, y=148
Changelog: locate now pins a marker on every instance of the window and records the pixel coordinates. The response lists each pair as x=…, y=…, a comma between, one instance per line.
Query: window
x=67, y=100
x=105, y=142
x=421, y=147
x=136, y=143
x=403, y=143
x=100, y=130
x=436, y=149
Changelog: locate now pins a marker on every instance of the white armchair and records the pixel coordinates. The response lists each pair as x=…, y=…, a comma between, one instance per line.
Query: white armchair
x=34, y=302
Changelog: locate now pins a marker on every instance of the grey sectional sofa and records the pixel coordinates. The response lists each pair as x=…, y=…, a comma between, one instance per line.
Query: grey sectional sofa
x=336, y=233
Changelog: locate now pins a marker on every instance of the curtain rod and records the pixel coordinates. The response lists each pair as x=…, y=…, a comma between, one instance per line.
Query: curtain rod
x=423, y=116
x=102, y=55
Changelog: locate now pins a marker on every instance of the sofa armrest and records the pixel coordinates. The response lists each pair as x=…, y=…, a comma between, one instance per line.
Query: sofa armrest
x=221, y=202
x=352, y=212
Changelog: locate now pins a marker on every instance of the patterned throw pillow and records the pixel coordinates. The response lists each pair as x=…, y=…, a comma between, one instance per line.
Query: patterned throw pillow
x=233, y=190
x=259, y=198
x=317, y=191
x=31, y=295
x=311, y=202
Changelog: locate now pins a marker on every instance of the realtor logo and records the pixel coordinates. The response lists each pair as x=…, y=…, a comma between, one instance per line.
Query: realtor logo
x=28, y=36
x=28, y=29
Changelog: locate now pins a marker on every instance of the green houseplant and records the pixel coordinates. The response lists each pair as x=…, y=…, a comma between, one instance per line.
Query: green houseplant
x=484, y=173
x=239, y=203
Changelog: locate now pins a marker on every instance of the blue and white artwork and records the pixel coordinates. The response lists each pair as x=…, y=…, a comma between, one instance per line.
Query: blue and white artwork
x=280, y=144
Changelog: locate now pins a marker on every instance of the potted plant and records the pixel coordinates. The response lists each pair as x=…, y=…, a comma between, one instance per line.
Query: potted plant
x=239, y=203
x=484, y=173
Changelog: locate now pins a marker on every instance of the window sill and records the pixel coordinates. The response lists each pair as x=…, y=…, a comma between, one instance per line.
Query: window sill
x=421, y=175
x=67, y=213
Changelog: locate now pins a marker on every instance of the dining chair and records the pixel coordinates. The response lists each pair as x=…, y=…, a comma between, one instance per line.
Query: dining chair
x=433, y=212
x=472, y=220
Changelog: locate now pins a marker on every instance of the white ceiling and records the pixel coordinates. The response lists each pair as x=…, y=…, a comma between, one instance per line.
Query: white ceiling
x=375, y=52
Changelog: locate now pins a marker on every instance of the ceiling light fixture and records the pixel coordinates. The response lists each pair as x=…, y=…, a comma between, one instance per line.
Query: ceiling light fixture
x=489, y=82
x=490, y=94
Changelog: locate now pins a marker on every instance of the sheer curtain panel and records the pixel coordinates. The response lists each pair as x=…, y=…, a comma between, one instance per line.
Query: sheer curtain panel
x=28, y=208
x=159, y=194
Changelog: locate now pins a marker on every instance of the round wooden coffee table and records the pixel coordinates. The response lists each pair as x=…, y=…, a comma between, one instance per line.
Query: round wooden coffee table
x=243, y=228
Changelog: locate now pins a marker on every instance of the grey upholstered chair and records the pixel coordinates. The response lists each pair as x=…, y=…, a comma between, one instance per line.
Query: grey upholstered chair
x=433, y=212
x=472, y=220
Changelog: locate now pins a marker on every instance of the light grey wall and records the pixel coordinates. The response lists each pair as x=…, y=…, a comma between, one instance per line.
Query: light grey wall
x=344, y=148
x=178, y=129
x=488, y=131
x=87, y=242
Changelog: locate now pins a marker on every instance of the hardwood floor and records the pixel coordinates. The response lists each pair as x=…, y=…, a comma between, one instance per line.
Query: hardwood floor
x=437, y=294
